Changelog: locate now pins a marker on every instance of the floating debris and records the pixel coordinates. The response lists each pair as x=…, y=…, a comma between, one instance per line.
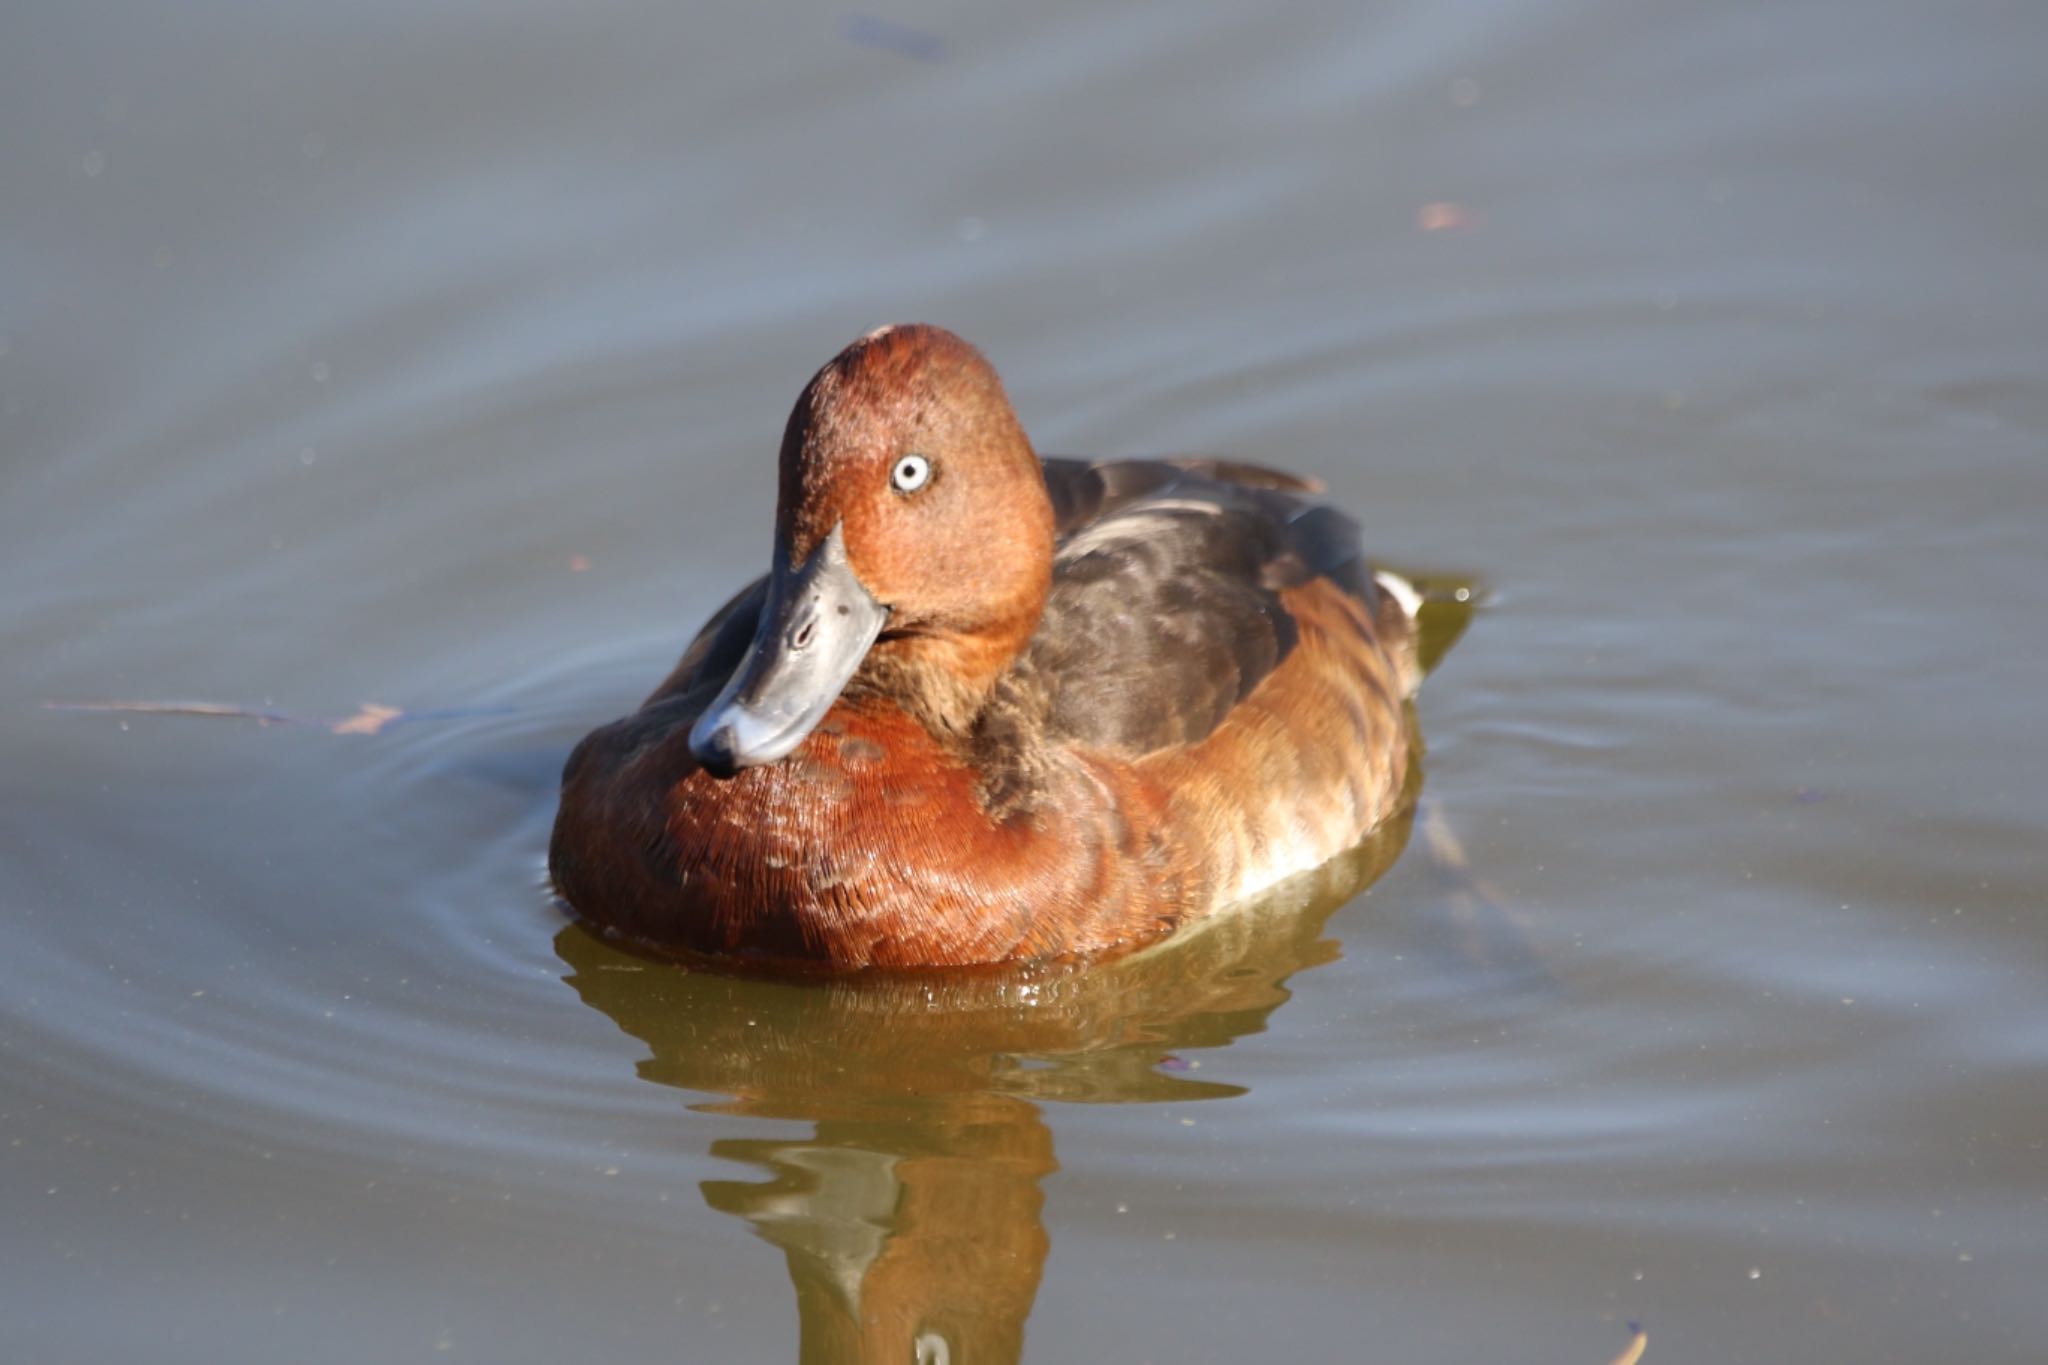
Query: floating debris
x=1633, y=1352
x=368, y=719
x=1444, y=216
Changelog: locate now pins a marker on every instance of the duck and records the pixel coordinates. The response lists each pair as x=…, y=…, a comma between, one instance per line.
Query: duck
x=987, y=708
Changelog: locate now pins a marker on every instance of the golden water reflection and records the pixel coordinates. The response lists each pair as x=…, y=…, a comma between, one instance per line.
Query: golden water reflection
x=910, y=1215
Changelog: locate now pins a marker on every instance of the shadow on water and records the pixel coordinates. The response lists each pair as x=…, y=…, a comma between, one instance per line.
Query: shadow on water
x=910, y=1216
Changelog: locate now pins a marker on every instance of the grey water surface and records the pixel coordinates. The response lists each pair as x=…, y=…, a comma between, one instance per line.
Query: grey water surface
x=435, y=355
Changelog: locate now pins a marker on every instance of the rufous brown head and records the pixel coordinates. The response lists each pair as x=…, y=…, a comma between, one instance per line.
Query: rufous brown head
x=912, y=524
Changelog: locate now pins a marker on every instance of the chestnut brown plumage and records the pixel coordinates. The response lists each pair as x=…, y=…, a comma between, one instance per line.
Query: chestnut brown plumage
x=1107, y=698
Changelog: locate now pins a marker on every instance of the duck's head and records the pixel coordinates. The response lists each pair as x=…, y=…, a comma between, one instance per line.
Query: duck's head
x=913, y=540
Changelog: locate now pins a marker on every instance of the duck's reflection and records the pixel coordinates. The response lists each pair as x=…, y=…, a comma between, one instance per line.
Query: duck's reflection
x=910, y=1216
x=912, y=1239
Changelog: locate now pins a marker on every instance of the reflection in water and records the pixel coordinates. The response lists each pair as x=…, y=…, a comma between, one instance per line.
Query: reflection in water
x=910, y=1216
x=910, y=1238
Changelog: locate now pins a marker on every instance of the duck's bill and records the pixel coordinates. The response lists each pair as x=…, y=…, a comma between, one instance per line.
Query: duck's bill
x=815, y=629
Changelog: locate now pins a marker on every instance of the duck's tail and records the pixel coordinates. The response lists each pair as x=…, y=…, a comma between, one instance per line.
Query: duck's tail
x=1401, y=590
x=1394, y=622
x=1432, y=609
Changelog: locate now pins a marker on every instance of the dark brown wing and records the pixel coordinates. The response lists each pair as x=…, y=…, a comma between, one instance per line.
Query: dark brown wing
x=1165, y=609
x=1084, y=490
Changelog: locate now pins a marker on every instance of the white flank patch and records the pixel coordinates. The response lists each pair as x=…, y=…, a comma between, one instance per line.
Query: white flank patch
x=1296, y=858
x=1295, y=843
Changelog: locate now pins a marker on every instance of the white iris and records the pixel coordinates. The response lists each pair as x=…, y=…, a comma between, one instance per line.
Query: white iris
x=910, y=473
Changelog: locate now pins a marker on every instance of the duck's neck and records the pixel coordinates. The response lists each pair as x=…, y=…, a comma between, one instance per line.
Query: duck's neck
x=941, y=681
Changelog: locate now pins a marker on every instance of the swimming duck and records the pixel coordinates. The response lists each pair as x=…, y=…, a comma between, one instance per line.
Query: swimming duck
x=989, y=708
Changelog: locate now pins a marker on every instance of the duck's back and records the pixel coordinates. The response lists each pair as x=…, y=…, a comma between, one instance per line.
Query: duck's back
x=1216, y=645
x=1172, y=597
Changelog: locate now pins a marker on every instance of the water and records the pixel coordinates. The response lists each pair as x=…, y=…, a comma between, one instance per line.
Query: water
x=436, y=357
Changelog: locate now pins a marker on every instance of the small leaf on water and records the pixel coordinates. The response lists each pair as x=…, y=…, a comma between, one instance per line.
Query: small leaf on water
x=368, y=719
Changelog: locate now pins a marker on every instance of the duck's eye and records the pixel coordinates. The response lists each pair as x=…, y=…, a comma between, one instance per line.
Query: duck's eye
x=911, y=473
